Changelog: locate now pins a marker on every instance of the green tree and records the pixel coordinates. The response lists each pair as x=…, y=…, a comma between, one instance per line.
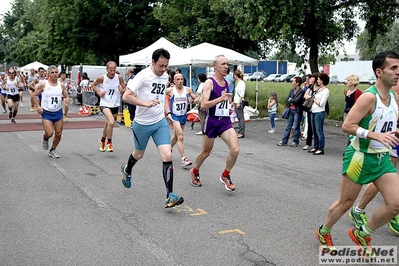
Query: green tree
x=383, y=42
x=315, y=28
x=192, y=22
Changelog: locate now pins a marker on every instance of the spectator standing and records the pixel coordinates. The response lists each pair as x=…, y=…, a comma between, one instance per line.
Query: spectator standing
x=310, y=92
x=239, y=102
x=201, y=113
x=131, y=107
x=272, y=105
x=319, y=113
x=294, y=101
x=351, y=95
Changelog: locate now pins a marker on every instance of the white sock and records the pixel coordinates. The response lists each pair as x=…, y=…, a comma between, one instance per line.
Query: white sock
x=358, y=210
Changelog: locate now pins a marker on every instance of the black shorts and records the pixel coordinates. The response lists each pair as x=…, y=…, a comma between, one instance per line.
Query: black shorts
x=114, y=110
x=14, y=98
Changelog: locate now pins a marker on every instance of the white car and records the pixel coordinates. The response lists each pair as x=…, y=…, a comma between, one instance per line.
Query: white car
x=271, y=77
x=246, y=76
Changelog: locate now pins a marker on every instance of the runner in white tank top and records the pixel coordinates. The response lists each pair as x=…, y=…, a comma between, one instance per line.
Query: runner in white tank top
x=50, y=109
x=109, y=87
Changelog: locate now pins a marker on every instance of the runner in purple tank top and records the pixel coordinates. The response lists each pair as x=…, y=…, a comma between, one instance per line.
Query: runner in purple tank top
x=216, y=103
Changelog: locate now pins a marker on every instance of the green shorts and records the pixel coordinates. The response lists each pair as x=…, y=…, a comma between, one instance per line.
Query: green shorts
x=363, y=168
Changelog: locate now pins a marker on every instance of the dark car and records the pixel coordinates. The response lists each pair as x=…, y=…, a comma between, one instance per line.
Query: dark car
x=257, y=76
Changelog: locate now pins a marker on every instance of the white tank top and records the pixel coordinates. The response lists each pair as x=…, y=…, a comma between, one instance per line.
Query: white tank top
x=52, y=97
x=112, y=97
x=179, y=102
x=12, y=88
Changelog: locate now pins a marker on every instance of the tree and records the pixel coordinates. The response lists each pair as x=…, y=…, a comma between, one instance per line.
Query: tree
x=81, y=31
x=315, y=27
x=383, y=42
x=192, y=22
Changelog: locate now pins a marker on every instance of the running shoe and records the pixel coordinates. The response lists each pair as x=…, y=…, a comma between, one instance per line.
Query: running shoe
x=53, y=154
x=21, y=104
x=325, y=241
x=362, y=242
x=13, y=121
x=109, y=147
x=173, y=200
x=32, y=109
x=126, y=178
x=4, y=112
x=102, y=145
x=227, y=183
x=272, y=130
x=306, y=147
x=45, y=144
x=66, y=118
x=195, y=179
x=359, y=218
x=394, y=224
x=185, y=162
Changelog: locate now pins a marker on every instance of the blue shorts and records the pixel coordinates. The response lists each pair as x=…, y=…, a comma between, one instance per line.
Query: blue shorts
x=158, y=131
x=215, y=126
x=182, y=119
x=52, y=116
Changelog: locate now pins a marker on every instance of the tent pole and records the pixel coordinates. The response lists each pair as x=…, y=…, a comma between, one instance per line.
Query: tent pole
x=256, y=91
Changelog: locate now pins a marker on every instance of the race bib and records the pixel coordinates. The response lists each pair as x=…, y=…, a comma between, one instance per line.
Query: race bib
x=222, y=109
x=110, y=95
x=54, y=103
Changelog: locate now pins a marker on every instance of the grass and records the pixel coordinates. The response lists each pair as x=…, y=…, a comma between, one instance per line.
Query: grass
x=336, y=99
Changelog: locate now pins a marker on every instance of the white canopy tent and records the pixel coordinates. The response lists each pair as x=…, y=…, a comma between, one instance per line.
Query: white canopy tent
x=144, y=56
x=34, y=65
x=203, y=55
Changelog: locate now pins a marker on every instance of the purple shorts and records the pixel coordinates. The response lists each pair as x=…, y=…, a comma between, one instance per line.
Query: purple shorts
x=214, y=126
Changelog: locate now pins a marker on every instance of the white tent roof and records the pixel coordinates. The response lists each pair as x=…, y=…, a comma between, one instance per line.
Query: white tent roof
x=203, y=55
x=34, y=65
x=144, y=56
x=200, y=55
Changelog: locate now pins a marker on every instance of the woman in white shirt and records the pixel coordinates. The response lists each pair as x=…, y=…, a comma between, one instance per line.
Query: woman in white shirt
x=238, y=102
x=319, y=113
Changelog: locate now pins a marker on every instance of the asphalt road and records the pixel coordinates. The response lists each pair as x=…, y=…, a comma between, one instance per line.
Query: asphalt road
x=75, y=211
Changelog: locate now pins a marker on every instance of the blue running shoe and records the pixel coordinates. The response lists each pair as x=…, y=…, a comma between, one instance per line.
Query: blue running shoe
x=126, y=177
x=173, y=200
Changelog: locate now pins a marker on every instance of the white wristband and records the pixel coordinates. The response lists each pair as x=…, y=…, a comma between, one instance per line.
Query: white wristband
x=362, y=133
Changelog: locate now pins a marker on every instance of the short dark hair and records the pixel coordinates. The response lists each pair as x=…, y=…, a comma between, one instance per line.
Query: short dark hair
x=62, y=72
x=325, y=78
x=202, y=77
x=379, y=60
x=298, y=80
x=160, y=53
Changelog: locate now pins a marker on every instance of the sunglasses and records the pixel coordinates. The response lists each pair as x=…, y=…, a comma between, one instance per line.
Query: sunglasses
x=11, y=73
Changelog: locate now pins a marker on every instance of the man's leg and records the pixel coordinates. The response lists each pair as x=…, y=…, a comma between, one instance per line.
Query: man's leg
x=348, y=194
x=58, y=126
x=231, y=141
x=388, y=185
x=207, y=146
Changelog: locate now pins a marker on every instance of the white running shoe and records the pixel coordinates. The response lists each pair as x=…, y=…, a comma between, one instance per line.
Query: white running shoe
x=185, y=162
x=53, y=154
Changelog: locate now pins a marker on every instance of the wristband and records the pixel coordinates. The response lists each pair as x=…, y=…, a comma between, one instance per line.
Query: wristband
x=169, y=113
x=362, y=133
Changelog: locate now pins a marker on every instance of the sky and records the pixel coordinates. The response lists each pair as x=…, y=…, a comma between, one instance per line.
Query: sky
x=6, y=5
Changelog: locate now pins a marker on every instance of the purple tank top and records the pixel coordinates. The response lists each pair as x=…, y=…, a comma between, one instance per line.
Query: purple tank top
x=216, y=93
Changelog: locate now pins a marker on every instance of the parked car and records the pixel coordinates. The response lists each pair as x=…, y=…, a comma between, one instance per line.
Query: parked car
x=372, y=80
x=334, y=79
x=246, y=76
x=284, y=78
x=296, y=75
x=257, y=76
x=271, y=77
